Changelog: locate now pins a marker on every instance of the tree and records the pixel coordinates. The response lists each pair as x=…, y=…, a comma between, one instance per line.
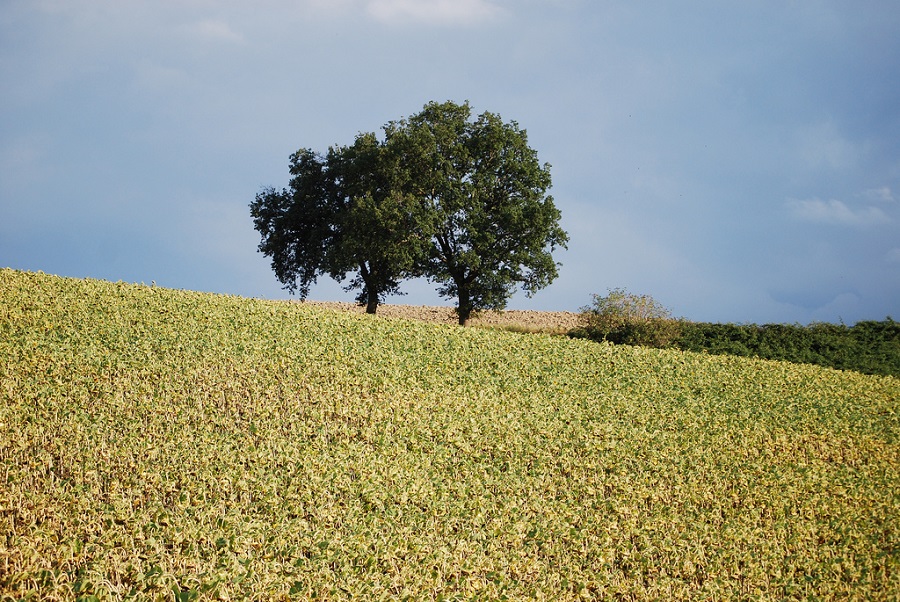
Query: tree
x=482, y=193
x=460, y=201
x=342, y=214
x=295, y=224
x=376, y=224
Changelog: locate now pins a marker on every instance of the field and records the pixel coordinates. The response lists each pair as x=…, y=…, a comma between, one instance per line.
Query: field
x=550, y=322
x=163, y=444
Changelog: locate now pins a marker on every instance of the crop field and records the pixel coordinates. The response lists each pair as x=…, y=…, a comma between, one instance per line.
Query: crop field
x=548, y=322
x=172, y=445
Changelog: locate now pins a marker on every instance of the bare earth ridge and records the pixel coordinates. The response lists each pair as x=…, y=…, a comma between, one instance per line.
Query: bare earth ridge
x=526, y=319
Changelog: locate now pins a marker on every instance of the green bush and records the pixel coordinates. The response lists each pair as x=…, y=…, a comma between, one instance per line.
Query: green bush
x=869, y=347
x=628, y=319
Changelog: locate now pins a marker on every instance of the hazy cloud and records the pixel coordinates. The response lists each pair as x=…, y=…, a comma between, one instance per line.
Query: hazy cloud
x=435, y=12
x=823, y=146
x=835, y=212
x=879, y=194
x=218, y=31
x=893, y=256
x=151, y=76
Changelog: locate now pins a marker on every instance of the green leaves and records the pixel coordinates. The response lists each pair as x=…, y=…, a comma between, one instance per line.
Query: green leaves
x=158, y=444
x=492, y=225
x=343, y=213
x=625, y=318
x=461, y=202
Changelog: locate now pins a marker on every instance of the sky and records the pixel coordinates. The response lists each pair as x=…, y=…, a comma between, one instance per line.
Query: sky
x=737, y=161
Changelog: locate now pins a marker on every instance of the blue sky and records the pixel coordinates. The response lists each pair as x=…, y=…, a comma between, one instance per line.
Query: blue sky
x=738, y=161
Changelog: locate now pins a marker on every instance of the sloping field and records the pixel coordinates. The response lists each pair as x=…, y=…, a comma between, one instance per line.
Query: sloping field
x=550, y=321
x=161, y=444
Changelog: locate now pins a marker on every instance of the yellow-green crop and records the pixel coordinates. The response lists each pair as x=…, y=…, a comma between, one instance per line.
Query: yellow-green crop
x=163, y=444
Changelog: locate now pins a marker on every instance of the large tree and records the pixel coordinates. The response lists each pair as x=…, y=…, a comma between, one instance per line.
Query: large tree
x=296, y=224
x=376, y=224
x=459, y=200
x=484, y=204
x=343, y=213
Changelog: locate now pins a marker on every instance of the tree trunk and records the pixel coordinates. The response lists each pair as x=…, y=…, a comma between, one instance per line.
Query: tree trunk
x=464, y=310
x=368, y=293
x=372, y=302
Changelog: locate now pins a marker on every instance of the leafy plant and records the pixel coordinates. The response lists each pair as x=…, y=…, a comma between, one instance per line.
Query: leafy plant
x=625, y=318
x=344, y=213
x=869, y=347
x=158, y=443
x=460, y=201
x=491, y=223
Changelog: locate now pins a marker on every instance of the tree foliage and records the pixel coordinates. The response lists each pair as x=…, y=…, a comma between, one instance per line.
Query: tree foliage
x=626, y=318
x=483, y=191
x=294, y=224
x=341, y=214
x=459, y=200
x=376, y=233
x=620, y=317
x=870, y=347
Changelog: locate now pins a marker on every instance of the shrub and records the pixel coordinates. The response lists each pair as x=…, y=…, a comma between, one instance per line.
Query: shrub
x=625, y=318
x=869, y=347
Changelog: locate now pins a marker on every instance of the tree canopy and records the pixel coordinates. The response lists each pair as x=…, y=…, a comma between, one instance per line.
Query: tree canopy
x=341, y=214
x=492, y=225
x=458, y=200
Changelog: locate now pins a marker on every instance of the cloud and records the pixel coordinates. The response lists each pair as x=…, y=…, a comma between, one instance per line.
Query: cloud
x=331, y=6
x=217, y=31
x=835, y=212
x=823, y=146
x=433, y=12
x=21, y=160
x=879, y=194
x=893, y=256
x=150, y=76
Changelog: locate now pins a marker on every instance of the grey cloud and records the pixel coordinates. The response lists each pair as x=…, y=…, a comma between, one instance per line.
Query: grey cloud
x=436, y=12
x=836, y=212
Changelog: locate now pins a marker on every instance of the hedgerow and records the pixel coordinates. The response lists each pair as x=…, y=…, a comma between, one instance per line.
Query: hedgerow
x=870, y=347
x=621, y=317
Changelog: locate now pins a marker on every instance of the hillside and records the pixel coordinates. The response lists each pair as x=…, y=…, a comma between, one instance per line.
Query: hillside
x=160, y=444
x=554, y=321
